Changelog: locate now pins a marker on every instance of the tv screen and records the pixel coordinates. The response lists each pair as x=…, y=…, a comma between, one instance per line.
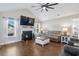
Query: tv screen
x=24, y=20
x=27, y=21
x=31, y=21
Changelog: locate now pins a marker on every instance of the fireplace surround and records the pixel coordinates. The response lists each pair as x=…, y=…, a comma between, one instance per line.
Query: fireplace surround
x=27, y=35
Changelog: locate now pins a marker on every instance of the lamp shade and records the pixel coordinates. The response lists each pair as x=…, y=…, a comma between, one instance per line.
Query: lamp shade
x=65, y=29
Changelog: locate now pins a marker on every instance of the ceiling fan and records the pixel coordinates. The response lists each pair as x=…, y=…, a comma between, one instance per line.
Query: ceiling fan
x=45, y=6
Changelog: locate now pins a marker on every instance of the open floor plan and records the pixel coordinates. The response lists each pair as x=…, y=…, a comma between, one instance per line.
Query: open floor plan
x=39, y=29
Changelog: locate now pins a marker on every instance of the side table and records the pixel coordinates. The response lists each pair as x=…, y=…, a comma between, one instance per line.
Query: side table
x=65, y=39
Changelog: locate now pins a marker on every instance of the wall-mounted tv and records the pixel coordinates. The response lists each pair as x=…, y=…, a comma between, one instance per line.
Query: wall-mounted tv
x=27, y=21
x=31, y=21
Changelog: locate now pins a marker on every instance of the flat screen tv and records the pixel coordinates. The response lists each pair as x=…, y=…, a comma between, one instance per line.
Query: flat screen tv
x=23, y=20
x=27, y=21
x=31, y=21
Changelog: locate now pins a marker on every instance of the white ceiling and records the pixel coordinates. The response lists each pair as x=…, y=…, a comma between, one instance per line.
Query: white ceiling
x=62, y=9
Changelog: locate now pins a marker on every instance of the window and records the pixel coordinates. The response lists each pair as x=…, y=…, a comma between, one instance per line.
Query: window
x=11, y=27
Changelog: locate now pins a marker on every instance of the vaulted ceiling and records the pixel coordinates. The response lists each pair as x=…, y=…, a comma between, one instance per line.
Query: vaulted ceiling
x=62, y=9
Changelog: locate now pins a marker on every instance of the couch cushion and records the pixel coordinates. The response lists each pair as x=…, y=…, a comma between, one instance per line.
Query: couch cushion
x=74, y=51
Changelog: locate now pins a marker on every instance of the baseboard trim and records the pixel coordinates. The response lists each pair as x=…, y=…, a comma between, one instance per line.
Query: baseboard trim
x=4, y=43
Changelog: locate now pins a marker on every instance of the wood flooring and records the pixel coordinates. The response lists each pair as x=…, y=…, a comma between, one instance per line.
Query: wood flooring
x=29, y=48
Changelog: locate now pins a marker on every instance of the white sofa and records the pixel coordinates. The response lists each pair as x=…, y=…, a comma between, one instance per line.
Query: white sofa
x=42, y=41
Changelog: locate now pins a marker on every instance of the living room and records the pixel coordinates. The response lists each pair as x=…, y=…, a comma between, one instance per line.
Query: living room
x=51, y=29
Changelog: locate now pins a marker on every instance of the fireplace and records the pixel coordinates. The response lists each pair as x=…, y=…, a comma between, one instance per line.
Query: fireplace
x=27, y=35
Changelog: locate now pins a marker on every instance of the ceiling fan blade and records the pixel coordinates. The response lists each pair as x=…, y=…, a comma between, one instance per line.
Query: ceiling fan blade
x=41, y=10
x=46, y=3
x=46, y=9
x=53, y=4
x=50, y=7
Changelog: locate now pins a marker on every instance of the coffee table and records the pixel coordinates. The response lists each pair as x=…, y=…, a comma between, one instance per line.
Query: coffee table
x=42, y=41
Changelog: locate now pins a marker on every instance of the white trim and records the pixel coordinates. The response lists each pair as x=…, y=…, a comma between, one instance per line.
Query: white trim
x=9, y=42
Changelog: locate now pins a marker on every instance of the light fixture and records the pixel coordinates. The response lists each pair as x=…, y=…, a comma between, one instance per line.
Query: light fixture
x=44, y=8
x=65, y=30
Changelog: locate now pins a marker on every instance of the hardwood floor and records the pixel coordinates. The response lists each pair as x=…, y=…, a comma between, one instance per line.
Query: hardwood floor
x=29, y=48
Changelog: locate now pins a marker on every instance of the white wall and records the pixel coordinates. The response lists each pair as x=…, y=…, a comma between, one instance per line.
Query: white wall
x=4, y=32
x=56, y=24
x=1, y=30
x=14, y=14
x=52, y=25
